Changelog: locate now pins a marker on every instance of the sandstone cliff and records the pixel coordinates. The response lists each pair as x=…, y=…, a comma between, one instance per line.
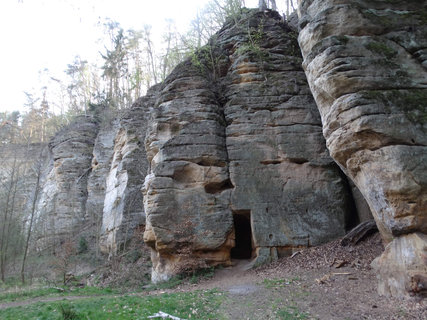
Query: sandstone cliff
x=92, y=183
x=123, y=209
x=238, y=163
x=61, y=207
x=227, y=158
x=366, y=63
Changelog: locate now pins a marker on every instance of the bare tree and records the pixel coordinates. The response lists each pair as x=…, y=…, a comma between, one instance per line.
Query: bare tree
x=38, y=172
x=10, y=188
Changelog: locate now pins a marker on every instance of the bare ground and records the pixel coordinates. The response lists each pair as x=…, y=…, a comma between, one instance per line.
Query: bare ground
x=327, y=282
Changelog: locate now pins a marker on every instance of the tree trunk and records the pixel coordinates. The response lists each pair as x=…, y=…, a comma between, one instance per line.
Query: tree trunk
x=4, y=239
x=33, y=210
x=359, y=233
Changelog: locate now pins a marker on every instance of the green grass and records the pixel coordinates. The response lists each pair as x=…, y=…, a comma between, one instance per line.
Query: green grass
x=193, y=305
x=290, y=313
x=169, y=284
x=29, y=293
x=277, y=283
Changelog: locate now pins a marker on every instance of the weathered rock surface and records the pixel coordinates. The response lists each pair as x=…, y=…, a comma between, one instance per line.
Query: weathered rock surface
x=62, y=205
x=96, y=186
x=366, y=63
x=123, y=208
x=237, y=157
x=407, y=271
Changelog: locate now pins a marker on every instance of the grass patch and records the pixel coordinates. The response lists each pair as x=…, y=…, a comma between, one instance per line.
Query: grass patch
x=277, y=283
x=24, y=294
x=169, y=284
x=291, y=313
x=191, y=305
x=201, y=274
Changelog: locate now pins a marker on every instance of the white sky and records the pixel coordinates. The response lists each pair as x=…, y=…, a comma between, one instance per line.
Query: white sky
x=38, y=34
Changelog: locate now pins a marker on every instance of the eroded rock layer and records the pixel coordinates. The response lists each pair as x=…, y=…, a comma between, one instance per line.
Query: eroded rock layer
x=238, y=163
x=366, y=63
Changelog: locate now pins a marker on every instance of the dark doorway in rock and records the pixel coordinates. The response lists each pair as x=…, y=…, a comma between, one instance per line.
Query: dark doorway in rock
x=243, y=233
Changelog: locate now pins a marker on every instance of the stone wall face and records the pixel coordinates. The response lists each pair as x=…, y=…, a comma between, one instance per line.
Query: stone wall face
x=366, y=63
x=235, y=134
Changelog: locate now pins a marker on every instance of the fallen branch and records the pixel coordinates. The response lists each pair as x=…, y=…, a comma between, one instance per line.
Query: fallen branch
x=359, y=233
x=328, y=276
x=295, y=253
x=164, y=315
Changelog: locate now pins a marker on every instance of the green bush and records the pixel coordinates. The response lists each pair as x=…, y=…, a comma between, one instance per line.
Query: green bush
x=67, y=312
x=83, y=246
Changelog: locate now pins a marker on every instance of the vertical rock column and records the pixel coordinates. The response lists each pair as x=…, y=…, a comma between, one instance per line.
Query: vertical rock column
x=366, y=63
x=66, y=185
x=96, y=186
x=123, y=207
x=187, y=192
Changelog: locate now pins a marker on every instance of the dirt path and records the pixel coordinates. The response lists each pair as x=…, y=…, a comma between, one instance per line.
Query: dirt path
x=329, y=282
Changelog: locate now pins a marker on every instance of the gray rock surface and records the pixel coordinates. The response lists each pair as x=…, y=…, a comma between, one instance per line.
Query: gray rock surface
x=96, y=186
x=236, y=152
x=366, y=63
x=123, y=208
x=62, y=205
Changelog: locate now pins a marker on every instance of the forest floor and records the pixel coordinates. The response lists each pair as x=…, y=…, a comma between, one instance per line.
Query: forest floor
x=326, y=282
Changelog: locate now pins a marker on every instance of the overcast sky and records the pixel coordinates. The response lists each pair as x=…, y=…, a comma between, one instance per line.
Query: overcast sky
x=38, y=34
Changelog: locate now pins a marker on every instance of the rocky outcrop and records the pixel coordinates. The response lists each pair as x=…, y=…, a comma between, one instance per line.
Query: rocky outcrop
x=123, y=208
x=238, y=163
x=62, y=204
x=366, y=63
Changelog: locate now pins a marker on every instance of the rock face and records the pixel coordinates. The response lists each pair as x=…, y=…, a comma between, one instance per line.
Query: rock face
x=62, y=205
x=91, y=186
x=238, y=163
x=123, y=208
x=96, y=186
x=366, y=63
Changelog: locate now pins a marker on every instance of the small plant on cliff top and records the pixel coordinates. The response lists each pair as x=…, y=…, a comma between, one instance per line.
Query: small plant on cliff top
x=255, y=36
x=206, y=60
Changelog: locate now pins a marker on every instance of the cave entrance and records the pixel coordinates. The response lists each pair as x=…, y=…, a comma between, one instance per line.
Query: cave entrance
x=243, y=235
